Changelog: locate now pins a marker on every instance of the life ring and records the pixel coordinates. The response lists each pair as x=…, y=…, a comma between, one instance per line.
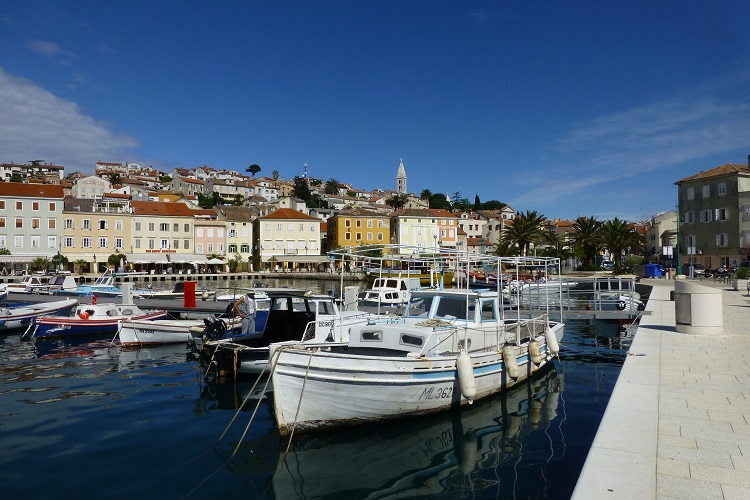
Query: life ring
x=621, y=305
x=83, y=315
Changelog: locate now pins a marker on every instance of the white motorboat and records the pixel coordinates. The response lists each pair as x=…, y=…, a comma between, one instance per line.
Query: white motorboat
x=389, y=292
x=30, y=283
x=21, y=316
x=451, y=347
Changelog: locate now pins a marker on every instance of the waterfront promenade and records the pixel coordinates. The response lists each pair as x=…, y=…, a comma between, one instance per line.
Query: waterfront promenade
x=678, y=423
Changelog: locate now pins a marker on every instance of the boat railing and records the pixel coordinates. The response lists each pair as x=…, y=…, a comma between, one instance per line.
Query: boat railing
x=477, y=339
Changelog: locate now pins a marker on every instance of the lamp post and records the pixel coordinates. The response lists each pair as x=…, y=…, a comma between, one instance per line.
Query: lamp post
x=679, y=267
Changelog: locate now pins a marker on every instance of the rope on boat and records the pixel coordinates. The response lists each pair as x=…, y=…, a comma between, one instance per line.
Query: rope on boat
x=242, y=405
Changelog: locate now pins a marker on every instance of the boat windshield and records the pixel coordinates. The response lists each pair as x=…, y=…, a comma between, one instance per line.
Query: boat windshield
x=454, y=308
x=419, y=307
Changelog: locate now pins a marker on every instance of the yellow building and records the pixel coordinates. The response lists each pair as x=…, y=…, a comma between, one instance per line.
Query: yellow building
x=356, y=226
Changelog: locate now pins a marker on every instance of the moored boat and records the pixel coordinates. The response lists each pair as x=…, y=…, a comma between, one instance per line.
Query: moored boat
x=389, y=292
x=451, y=347
x=30, y=283
x=21, y=316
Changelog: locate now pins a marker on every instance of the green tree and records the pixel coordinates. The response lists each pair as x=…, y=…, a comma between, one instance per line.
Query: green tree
x=275, y=175
x=587, y=239
x=477, y=203
x=398, y=201
x=210, y=200
x=504, y=249
x=238, y=200
x=164, y=179
x=115, y=258
x=439, y=200
x=301, y=189
x=331, y=186
x=234, y=263
x=493, y=205
x=59, y=261
x=15, y=177
x=616, y=237
x=78, y=265
x=426, y=195
x=525, y=230
x=253, y=169
x=114, y=177
x=40, y=264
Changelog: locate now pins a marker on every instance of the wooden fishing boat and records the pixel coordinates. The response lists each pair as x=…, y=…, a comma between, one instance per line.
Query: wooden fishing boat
x=21, y=316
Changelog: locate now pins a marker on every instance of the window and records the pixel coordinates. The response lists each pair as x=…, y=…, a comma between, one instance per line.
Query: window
x=18, y=241
x=102, y=242
x=705, y=216
x=137, y=243
x=347, y=223
x=118, y=225
x=19, y=223
x=35, y=241
x=690, y=193
x=232, y=248
x=103, y=225
x=199, y=247
x=706, y=191
x=232, y=234
x=290, y=227
x=186, y=244
x=68, y=242
x=267, y=244
x=301, y=227
x=279, y=227
x=69, y=224
x=245, y=248
x=51, y=241
x=720, y=214
x=85, y=242
x=85, y=224
x=176, y=244
x=689, y=217
x=2, y=206
x=347, y=236
x=187, y=228
x=35, y=206
x=151, y=227
x=118, y=243
x=52, y=206
x=380, y=236
x=19, y=205
x=175, y=227
x=210, y=232
x=51, y=223
x=267, y=226
x=164, y=227
x=722, y=189
x=2, y=221
x=164, y=243
x=35, y=223
x=369, y=236
x=137, y=226
x=3, y=241
x=151, y=243
x=369, y=222
x=722, y=240
x=380, y=223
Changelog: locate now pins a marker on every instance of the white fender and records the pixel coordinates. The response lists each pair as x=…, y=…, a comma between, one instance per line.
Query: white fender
x=511, y=363
x=552, y=344
x=466, y=376
x=535, y=353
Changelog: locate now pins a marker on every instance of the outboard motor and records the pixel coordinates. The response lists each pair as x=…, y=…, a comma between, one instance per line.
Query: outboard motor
x=215, y=328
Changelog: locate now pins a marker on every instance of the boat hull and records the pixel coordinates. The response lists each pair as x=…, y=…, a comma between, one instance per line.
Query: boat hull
x=342, y=389
x=22, y=317
x=47, y=327
x=135, y=333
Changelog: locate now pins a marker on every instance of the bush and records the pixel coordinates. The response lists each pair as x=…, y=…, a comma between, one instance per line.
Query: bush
x=589, y=268
x=741, y=273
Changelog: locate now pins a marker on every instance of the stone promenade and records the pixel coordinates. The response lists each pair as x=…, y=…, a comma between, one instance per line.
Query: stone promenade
x=678, y=423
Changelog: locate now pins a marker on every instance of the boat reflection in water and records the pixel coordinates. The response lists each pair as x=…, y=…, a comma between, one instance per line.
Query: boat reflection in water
x=483, y=449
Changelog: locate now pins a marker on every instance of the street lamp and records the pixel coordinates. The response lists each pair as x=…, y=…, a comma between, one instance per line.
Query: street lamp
x=679, y=219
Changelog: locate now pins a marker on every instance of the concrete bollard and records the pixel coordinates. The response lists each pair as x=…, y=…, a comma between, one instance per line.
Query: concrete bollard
x=698, y=309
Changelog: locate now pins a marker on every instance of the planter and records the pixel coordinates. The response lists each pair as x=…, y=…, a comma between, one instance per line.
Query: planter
x=741, y=284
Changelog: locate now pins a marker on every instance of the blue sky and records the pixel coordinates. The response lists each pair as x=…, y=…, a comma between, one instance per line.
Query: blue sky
x=568, y=108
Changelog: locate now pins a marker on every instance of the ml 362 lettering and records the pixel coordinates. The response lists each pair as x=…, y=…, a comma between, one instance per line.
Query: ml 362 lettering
x=436, y=393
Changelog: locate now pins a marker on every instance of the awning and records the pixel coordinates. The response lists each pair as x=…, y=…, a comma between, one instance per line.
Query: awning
x=215, y=261
x=147, y=258
x=161, y=258
x=304, y=259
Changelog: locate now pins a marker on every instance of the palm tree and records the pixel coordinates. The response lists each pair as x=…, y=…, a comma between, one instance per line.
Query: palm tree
x=587, y=238
x=525, y=230
x=275, y=175
x=616, y=236
x=331, y=187
x=555, y=246
x=426, y=194
x=398, y=201
x=114, y=177
x=40, y=264
x=78, y=265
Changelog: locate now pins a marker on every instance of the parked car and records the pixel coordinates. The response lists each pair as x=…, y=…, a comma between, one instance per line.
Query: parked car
x=694, y=269
x=608, y=265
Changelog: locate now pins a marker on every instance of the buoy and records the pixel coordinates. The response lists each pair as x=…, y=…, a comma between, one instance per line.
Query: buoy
x=511, y=363
x=552, y=344
x=83, y=315
x=621, y=305
x=466, y=376
x=535, y=353
x=93, y=300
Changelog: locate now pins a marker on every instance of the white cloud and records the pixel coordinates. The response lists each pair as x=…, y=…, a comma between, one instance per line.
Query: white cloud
x=51, y=50
x=38, y=125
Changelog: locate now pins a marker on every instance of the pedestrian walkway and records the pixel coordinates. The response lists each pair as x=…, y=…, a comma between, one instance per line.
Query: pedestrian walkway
x=678, y=423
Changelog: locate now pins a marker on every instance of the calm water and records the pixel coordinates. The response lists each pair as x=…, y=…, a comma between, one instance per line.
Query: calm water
x=87, y=420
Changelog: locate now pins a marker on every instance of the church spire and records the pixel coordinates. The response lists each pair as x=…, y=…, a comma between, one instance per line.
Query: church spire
x=401, y=178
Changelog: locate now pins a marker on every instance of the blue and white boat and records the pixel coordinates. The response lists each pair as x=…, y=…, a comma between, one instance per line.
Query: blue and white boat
x=21, y=316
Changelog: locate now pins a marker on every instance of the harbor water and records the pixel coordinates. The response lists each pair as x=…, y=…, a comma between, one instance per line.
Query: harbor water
x=85, y=419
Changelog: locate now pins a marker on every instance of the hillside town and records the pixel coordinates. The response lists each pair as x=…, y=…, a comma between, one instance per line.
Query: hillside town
x=137, y=218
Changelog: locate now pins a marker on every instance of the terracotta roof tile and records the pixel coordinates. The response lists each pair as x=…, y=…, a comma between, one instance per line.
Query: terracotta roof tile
x=31, y=190
x=163, y=208
x=288, y=213
x=726, y=169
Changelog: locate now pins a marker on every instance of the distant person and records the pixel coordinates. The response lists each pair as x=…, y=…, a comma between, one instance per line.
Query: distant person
x=245, y=308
